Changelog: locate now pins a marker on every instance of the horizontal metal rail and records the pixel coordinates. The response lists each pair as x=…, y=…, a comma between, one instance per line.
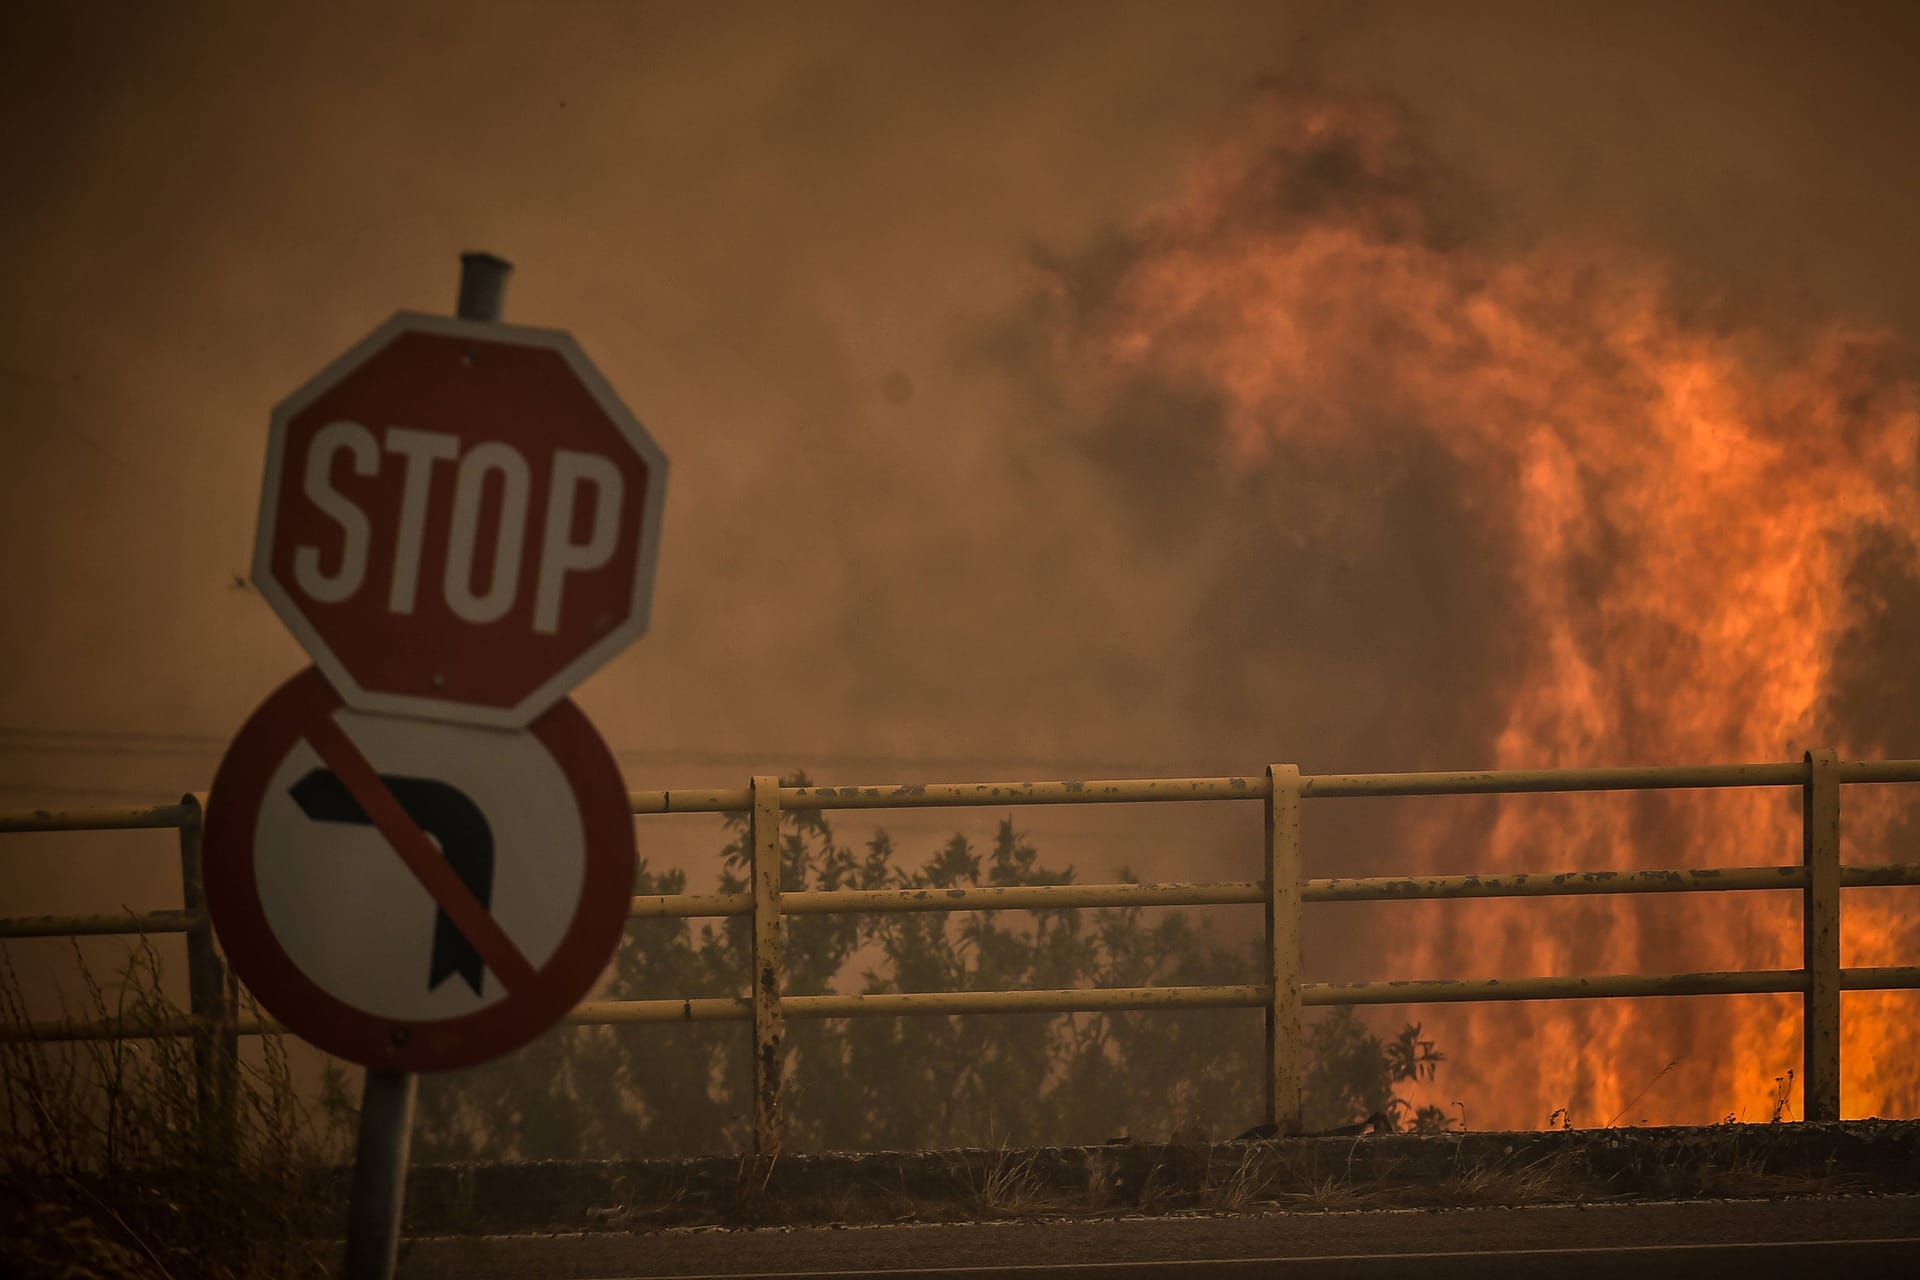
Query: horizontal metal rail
x=902, y=1003
x=1064, y=897
x=689, y=906
x=101, y=819
x=173, y=921
x=1072, y=1000
x=1878, y=770
x=608, y=1013
x=1312, y=786
x=1281, y=994
x=1563, y=884
x=1515, y=781
x=65, y=1029
x=1117, y=791
x=1612, y=986
x=1116, y=999
x=599, y=1013
x=1027, y=897
x=1072, y=896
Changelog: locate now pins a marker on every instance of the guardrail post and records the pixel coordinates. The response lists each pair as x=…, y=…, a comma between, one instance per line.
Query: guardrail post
x=769, y=1029
x=1820, y=927
x=211, y=991
x=1284, y=877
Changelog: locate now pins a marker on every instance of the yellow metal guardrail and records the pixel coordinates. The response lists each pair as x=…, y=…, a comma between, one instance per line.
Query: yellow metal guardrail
x=1282, y=891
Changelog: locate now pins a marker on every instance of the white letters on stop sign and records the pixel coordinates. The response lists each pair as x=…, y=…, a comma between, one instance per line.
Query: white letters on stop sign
x=344, y=582
x=468, y=555
x=504, y=558
x=558, y=555
x=421, y=449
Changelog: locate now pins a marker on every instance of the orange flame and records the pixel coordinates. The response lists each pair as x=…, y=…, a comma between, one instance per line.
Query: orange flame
x=1684, y=503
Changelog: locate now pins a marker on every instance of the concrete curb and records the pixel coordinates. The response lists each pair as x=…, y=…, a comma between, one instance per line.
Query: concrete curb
x=1376, y=1171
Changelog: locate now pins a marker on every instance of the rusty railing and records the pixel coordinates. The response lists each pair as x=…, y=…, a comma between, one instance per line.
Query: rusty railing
x=1281, y=891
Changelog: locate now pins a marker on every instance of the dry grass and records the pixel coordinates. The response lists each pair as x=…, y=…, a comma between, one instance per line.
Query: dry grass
x=1330, y=1193
x=1004, y=1183
x=1248, y=1184
x=154, y=1158
x=1506, y=1181
x=135, y=1159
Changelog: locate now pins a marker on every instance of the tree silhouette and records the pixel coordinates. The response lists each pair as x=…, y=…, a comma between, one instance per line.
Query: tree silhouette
x=921, y=1082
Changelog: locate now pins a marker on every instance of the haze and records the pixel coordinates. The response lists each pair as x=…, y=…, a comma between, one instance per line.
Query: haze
x=807, y=244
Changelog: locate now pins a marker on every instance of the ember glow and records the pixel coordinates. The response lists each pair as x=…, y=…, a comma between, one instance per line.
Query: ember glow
x=1694, y=516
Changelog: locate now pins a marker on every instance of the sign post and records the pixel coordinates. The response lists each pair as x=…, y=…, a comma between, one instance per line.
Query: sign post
x=418, y=853
x=379, y=1194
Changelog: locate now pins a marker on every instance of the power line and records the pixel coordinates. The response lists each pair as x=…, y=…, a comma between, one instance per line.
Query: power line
x=94, y=742
x=117, y=735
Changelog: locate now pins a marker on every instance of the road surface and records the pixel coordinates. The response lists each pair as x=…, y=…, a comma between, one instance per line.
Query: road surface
x=1857, y=1237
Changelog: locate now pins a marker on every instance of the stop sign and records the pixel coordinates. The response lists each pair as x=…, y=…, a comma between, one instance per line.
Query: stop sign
x=459, y=520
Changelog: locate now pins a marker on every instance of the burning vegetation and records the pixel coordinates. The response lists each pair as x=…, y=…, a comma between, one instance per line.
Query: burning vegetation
x=1553, y=507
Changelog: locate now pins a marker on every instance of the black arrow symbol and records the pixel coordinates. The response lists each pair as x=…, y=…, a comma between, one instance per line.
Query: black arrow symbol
x=443, y=812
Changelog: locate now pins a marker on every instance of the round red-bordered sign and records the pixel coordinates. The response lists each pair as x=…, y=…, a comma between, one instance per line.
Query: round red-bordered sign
x=330, y=921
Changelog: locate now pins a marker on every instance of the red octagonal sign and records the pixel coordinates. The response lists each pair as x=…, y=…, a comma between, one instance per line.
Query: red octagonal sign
x=460, y=520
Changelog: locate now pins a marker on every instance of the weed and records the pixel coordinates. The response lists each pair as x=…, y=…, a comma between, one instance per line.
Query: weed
x=1002, y=1183
x=1248, y=1183
x=1331, y=1192
x=1549, y=1176
x=154, y=1157
x=1657, y=1077
x=1783, y=1097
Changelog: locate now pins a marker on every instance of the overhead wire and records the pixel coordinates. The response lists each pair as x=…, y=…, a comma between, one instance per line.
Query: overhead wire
x=96, y=742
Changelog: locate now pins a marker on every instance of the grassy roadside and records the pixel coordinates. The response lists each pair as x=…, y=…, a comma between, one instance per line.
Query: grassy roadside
x=142, y=1158
x=152, y=1158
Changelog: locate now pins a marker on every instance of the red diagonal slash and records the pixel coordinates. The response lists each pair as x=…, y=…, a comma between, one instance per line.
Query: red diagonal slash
x=422, y=857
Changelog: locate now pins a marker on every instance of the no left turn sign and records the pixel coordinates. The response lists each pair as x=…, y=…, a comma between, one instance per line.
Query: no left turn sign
x=411, y=894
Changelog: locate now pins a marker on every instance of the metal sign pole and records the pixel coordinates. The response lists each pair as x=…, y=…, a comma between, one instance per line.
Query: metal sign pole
x=386, y=1102
x=380, y=1174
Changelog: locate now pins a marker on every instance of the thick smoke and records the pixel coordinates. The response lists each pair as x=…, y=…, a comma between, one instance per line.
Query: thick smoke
x=1544, y=514
x=896, y=548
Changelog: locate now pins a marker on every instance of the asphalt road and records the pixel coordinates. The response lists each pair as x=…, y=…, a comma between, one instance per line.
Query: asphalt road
x=1860, y=1236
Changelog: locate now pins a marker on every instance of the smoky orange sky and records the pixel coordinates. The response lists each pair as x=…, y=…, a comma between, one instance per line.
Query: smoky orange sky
x=874, y=276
